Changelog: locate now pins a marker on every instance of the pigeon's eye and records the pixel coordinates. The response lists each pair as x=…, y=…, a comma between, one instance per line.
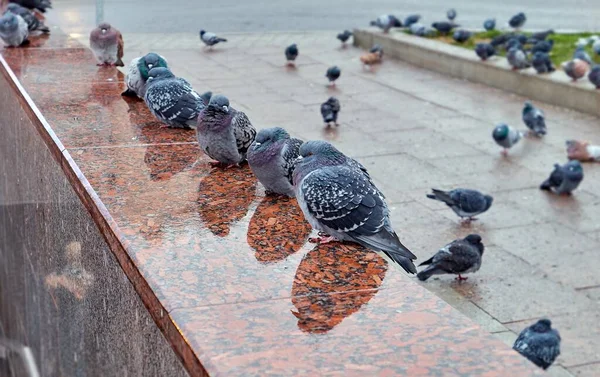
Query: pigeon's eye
x=309, y=154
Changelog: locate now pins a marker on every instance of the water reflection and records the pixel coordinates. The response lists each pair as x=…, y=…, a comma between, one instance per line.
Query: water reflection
x=224, y=197
x=166, y=160
x=332, y=282
x=277, y=229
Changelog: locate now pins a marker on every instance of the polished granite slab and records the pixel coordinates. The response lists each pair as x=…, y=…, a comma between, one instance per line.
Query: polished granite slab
x=245, y=292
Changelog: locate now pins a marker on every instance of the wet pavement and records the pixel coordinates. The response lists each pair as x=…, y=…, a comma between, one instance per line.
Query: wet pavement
x=233, y=268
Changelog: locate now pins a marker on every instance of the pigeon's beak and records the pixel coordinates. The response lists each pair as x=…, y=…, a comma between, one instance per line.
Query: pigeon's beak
x=226, y=108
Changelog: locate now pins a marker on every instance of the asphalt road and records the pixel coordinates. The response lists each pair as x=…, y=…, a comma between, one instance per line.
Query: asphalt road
x=286, y=15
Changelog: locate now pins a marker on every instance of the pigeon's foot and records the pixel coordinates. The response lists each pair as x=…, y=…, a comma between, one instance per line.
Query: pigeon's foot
x=461, y=278
x=504, y=152
x=322, y=240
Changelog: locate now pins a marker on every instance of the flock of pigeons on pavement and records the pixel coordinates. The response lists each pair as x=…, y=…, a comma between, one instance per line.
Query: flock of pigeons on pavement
x=335, y=192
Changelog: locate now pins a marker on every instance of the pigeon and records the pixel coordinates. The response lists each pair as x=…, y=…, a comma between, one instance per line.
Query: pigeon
x=271, y=157
x=582, y=42
x=291, y=53
x=137, y=73
x=343, y=37
x=517, y=58
x=543, y=46
x=564, y=179
x=412, y=19
x=542, y=35
x=484, y=50
x=594, y=76
x=596, y=44
x=330, y=110
x=172, y=100
x=461, y=256
x=464, y=202
x=506, y=137
x=13, y=29
x=338, y=198
x=417, y=29
x=513, y=42
x=332, y=74
x=41, y=5
x=517, y=21
x=451, y=14
x=224, y=133
x=461, y=36
x=205, y=97
x=575, y=68
x=385, y=22
x=582, y=151
x=444, y=27
x=581, y=54
x=539, y=343
x=500, y=39
x=210, y=39
x=489, y=24
x=377, y=49
x=542, y=63
x=534, y=119
x=107, y=44
x=33, y=23
x=369, y=59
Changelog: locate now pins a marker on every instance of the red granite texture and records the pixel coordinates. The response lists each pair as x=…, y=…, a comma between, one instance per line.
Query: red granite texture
x=232, y=268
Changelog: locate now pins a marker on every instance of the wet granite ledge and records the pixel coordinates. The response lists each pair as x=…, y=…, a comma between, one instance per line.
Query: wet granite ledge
x=224, y=273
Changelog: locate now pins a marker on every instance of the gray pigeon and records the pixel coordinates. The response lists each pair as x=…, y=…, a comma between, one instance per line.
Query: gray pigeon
x=539, y=343
x=339, y=199
x=564, y=179
x=517, y=21
x=581, y=54
x=542, y=63
x=137, y=73
x=417, y=29
x=291, y=53
x=33, y=23
x=271, y=157
x=13, y=29
x=41, y=5
x=461, y=36
x=464, y=202
x=205, y=97
x=412, y=19
x=210, y=39
x=224, y=133
x=489, y=24
x=542, y=35
x=575, y=68
x=534, y=119
x=506, y=137
x=451, y=14
x=343, y=37
x=332, y=74
x=594, y=76
x=517, y=58
x=444, y=27
x=172, y=99
x=385, y=22
x=330, y=110
x=543, y=46
x=459, y=257
x=484, y=50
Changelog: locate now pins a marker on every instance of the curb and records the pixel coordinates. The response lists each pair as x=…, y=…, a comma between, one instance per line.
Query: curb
x=555, y=88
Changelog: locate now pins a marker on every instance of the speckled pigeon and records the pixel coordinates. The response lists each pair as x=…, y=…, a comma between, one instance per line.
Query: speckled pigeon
x=291, y=53
x=332, y=74
x=581, y=54
x=330, y=110
x=564, y=179
x=517, y=58
x=41, y=5
x=33, y=23
x=464, y=202
x=412, y=19
x=461, y=256
x=13, y=29
x=484, y=50
x=542, y=63
x=137, y=73
x=224, y=133
x=506, y=137
x=575, y=68
x=272, y=157
x=172, y=99
x=594, y=76
x=534, y=119
x=210, y=39
x=339, y=199
x=107, y=45
x=517, y=21
x=539, y=343
x=489, y=24
x=343, y=37
x=451, y=14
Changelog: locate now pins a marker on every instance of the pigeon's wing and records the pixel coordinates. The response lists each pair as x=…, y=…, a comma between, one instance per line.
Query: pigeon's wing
x=455, y=257
x=327, y=112
x=243, y=131
x=120, y=45
x=335, y=105
x=290, y=153
x=469, y=201
x=175, y=101
x=209, y=37
x=556, y=177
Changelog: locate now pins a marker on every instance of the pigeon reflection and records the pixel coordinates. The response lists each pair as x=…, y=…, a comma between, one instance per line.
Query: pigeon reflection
x=224, y=196
x=332, y=282
x=277, y=229
x=74, y=278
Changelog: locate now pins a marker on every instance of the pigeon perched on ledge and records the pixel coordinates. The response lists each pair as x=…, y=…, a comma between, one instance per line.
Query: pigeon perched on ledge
x=33, y=23
x=517, y=58
x=444, y=27
x=534, y=119
x=541, y=63
x=13, y=30
x=137, y=73
x=485, y=50
x=412, y=19
x=459, y=257
x=385, y=22
x=461, y=36
x=464, y=202
x=543, y=46
x=564, y=179
x=575, y=68
x=339, y=199
x=594, y=76
x=107, y=45
x=272, y=157
x=539, y=343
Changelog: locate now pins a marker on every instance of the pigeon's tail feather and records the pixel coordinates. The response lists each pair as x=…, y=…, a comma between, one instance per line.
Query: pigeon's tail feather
x=428, y=261
x=545, y=185
x=389, y=243
x=119, y=63
x=129, y=93
x=440, y=195
x=428, y=272
x=221, y=40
